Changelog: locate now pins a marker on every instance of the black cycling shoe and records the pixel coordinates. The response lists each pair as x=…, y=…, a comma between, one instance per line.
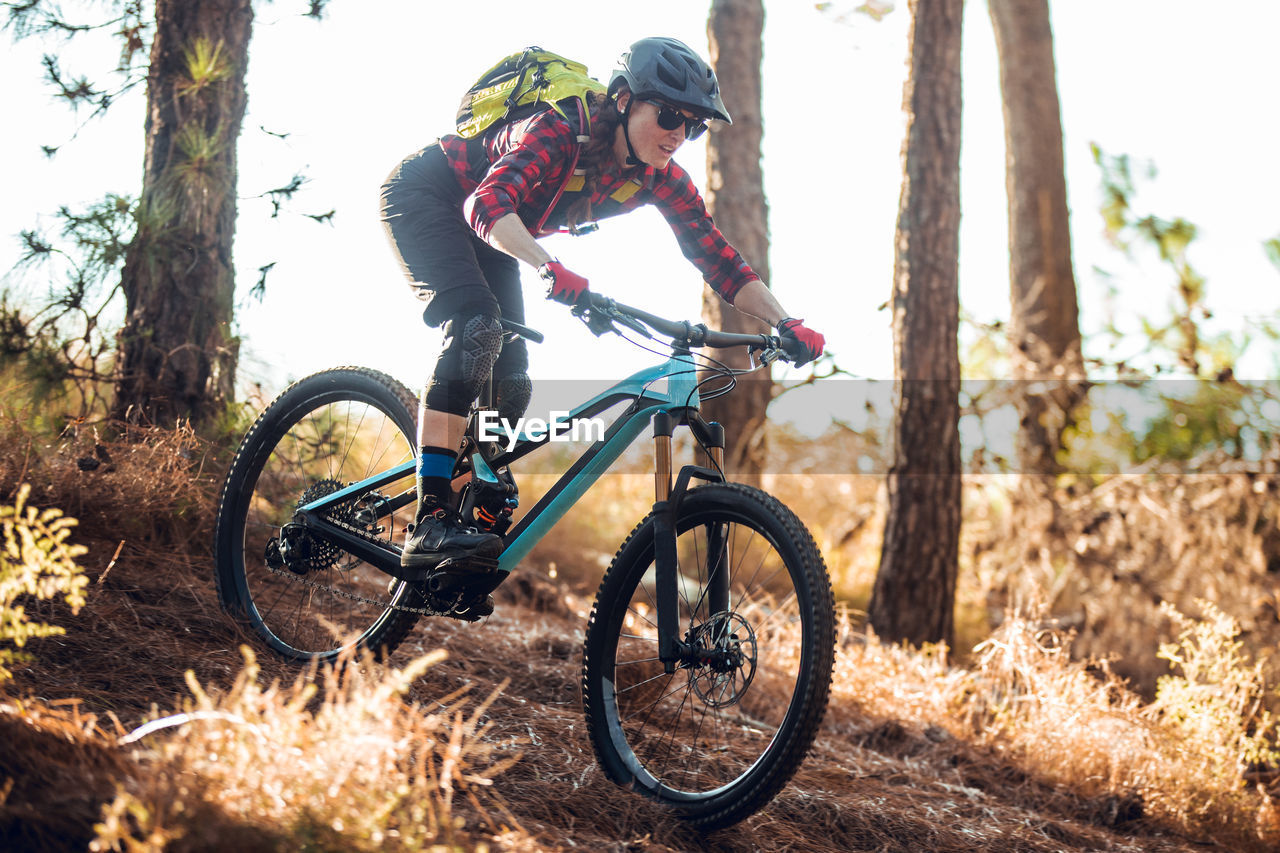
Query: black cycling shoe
x=440, y=535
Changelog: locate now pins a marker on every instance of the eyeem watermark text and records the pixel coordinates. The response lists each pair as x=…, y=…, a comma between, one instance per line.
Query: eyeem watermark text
x=559, y=428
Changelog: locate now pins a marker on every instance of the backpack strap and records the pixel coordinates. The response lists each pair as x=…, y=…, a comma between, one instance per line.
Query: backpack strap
x=583, y=122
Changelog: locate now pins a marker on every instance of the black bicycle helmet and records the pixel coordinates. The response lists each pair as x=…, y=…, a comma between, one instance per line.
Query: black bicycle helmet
x=669, y=70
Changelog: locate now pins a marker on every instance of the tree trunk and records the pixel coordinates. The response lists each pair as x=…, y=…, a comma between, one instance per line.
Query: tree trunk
x=914, y=594
x=1044, y=328
x=178, y=354
x=735, y=198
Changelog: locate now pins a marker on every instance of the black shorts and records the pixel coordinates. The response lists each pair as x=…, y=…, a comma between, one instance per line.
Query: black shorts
x=448, y=266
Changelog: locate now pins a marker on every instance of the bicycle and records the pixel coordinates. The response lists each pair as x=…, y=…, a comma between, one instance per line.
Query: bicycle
x=708, y=653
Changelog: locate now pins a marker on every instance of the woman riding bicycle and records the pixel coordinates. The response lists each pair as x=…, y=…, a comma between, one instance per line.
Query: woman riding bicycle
x=461, y=213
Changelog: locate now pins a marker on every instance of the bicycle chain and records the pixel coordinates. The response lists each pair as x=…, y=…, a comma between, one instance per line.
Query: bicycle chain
x=341, y=593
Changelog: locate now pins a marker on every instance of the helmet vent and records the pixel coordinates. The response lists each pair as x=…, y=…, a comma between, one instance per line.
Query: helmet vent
x=672, y=76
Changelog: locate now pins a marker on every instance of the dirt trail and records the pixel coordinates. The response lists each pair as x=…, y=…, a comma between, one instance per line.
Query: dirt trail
x=869, y=784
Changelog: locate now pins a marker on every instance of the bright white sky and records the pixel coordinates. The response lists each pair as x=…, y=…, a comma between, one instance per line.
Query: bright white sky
x=1186, y=85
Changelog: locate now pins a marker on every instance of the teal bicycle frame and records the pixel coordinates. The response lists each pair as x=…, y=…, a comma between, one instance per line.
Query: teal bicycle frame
x=648, y=405
x=679, y=398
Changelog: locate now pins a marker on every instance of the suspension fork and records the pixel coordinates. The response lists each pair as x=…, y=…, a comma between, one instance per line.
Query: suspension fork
x=671, y=647
x=665, y=563
x=717, y=547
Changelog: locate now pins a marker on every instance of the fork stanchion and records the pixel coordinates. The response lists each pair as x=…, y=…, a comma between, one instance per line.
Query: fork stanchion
x=662, y=429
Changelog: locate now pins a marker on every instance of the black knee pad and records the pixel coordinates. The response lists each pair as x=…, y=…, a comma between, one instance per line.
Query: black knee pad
x=513, y=359
x=512, y=395
x=471, y=345
x=512, y=386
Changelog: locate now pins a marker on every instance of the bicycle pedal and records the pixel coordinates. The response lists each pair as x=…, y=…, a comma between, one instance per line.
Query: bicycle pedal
x=473, y=611
x=468, y=566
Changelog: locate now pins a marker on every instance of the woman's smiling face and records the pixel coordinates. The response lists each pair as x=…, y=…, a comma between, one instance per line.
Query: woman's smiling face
x=652, y=144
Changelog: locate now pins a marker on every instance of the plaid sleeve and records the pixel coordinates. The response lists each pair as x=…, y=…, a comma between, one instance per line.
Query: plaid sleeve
x=524, y=154
x=722, y=267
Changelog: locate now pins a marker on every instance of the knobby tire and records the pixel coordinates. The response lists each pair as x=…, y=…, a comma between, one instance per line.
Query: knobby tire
x=317, y=436
x=715, y=745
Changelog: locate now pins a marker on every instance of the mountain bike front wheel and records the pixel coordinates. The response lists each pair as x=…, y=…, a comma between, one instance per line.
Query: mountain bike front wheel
x=320, y=435
x=719, y=737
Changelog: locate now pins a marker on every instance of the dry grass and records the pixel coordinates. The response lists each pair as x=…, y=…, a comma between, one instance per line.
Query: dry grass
x=1074, y=730
x=336, y=762
x=1106, y=557
x=1024, y=747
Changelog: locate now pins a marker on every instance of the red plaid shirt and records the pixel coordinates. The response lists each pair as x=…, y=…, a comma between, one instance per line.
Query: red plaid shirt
x=520, y=167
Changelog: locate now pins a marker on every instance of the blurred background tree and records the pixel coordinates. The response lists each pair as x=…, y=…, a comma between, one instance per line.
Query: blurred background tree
x=1044, y=329
x=735, y=197
x=1185, y=398
x=914, y=594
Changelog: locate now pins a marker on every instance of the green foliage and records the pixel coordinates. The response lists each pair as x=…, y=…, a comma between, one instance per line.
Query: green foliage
x=1272, y=248
x=1225, y=415
x=1176, y=342
x=206, y=65
x=201, y=170
x=1215, y=702
x=60, y=338
x=37, y=561
x=1213, y=411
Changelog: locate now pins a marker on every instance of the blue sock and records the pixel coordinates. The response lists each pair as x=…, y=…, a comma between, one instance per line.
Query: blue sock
x=435, y=473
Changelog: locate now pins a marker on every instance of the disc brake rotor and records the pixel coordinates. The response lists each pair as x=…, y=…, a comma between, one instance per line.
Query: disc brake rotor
x=726, y=659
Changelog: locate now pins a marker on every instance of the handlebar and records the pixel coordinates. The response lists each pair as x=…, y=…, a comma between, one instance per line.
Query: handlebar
x=599, y=312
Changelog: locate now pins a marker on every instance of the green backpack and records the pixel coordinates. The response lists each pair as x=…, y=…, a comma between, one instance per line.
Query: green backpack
x=519, y=84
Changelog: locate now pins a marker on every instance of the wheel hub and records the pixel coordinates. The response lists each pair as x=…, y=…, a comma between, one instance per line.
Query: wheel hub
x=721, y=659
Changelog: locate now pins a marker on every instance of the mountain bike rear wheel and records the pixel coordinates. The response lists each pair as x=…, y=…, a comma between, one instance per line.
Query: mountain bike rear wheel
x=321, y=434
x=719, y=737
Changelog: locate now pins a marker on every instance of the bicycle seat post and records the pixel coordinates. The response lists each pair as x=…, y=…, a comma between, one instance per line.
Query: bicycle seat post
x=485, y=400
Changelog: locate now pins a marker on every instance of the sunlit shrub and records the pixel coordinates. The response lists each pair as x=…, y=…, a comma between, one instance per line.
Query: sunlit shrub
x=1215, y=700
x=37, y=561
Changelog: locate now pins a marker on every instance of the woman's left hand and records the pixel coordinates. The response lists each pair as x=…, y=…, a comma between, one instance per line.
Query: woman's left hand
x=802, y=344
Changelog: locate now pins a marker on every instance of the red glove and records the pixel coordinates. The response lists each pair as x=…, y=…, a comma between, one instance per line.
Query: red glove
x=801, y=343
x=563, y=286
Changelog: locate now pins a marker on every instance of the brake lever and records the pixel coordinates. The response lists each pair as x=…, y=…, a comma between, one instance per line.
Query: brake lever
x=596, y=319
x=634, y=325
x=768, y=355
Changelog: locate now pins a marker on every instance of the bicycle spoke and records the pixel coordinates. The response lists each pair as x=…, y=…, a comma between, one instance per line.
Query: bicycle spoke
x=642, y=684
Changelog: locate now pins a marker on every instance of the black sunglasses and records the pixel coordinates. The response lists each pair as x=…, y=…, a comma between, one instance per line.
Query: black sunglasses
x=669, y=118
